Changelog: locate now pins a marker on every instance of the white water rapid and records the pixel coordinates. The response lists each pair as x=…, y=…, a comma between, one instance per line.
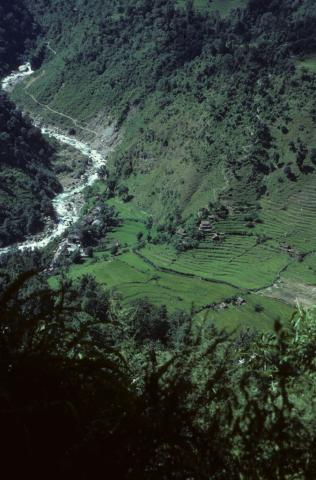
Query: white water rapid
x=67, y=204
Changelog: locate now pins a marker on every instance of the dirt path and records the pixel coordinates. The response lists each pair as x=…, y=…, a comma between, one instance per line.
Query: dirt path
x=47, y=107
x=68, y=117
x=33, y=80
x=50, y=48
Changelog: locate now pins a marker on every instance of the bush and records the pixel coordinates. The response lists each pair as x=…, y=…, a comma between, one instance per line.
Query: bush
x=258, y=308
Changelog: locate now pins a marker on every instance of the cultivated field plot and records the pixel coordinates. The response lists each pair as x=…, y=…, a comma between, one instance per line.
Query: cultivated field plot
x=309, y=63
x=236, y=260
x=200, y=279
x=275, y=257
x=291, y=217
x=135, y=279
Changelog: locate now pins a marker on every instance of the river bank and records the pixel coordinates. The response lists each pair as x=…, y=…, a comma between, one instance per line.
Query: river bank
x=68, y=204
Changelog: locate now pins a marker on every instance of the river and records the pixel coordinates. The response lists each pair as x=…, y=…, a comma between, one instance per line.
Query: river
x=67, y=204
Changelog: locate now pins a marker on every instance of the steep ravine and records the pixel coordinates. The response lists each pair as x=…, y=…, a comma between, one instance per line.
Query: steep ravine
x=67, y=204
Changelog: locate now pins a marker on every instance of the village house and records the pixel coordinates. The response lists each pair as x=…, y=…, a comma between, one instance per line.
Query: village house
x=205, y=226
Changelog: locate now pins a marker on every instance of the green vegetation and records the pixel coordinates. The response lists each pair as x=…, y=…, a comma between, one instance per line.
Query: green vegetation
x=135, y=279
x=224, y=7
x=159, y=341
x=309, y=63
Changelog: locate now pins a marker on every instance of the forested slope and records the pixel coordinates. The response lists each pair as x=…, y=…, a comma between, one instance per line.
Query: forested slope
x=89, y=387
x=27, y=183
x=17, y=33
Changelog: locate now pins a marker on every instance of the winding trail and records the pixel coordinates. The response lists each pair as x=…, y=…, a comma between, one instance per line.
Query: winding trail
x=50, y=48
x=47, y=107
x=67, y=204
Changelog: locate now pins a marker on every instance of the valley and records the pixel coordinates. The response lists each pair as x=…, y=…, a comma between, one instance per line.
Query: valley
x=240, y=264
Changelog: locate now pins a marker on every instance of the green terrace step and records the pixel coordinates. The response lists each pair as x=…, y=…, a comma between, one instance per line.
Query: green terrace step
x=249, y=267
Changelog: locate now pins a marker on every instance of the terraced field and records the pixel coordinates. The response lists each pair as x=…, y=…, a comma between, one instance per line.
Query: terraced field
x=135, y=279
x=275, y=257
x=291, y=217
x=237, y=261
x=302, y=272
x=270, y=264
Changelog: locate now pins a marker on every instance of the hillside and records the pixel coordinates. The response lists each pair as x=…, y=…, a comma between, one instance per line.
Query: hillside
x=193, y=112
x=217, y=121
x=143, y=394
x=27, y=182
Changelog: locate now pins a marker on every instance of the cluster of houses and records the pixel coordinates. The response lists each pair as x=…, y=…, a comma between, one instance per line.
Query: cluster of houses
x=236, y=301
x=73, y=242
x=289, y=250
x=207, y=229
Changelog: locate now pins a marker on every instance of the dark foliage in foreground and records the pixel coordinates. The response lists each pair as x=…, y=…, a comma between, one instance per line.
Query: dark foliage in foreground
x=75, y=402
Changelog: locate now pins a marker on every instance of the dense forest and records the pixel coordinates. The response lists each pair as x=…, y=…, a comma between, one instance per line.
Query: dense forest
x=17, y=34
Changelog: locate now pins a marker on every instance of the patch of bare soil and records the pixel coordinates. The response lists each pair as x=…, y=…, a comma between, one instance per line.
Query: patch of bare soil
x=292, y=293
x=106, y=133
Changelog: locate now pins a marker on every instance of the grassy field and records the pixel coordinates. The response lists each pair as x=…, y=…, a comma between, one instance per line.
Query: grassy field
x=237, y=261
x=135, y=279
x=248, y=315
